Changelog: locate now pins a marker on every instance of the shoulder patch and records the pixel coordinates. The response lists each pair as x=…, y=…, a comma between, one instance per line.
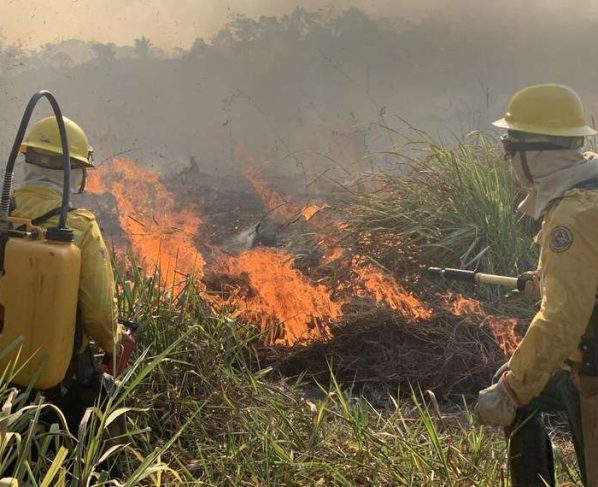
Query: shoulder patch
x=561, y=239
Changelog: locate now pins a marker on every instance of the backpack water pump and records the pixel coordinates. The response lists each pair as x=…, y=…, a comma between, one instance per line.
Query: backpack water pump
x=39, y=281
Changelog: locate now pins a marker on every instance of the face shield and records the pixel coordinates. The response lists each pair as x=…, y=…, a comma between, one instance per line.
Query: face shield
x=517, y=145
x=54, y=178
x=49, y=171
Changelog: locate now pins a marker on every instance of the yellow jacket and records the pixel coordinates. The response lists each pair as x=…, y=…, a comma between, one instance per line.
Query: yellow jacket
x=568, y=282
x=97, y=305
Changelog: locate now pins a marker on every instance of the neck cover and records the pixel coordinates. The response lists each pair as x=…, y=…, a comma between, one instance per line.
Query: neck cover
x=52, y=178
x=553, y=173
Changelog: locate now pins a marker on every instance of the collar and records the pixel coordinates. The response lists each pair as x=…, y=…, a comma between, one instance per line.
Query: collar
x=40, y=191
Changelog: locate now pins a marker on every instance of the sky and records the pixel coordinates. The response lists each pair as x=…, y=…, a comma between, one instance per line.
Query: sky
x=169, y=23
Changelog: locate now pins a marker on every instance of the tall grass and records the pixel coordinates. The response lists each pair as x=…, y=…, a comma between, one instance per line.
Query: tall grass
x=450, y=206
x=201, y=410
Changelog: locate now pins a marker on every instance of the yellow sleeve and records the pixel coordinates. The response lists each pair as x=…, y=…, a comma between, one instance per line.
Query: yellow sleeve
x=96, y=290
x=569, y=278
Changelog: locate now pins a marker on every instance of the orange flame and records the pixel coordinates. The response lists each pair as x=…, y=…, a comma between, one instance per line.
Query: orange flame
x=161, y=235
x=310, y=211
x=504, y=329
x=262, y=284
x=462, y=306
x=384, y=289
x=371, y=281
x=279, y=294
x=268, y=290
x=505, y=333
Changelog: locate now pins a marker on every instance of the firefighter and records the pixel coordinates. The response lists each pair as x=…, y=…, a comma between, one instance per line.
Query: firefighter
x=39, y=199
x=546, y=130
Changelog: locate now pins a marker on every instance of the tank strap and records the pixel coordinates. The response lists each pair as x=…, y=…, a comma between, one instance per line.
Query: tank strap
x=72, y=371
x=40, y=219
x=3, y=241
x=4, y=236
x=46, y=216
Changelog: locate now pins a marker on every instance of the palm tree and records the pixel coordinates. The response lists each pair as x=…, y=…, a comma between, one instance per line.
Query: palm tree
x=143, y=47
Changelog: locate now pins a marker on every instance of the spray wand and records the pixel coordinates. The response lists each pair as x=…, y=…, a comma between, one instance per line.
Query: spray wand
x=514, y=283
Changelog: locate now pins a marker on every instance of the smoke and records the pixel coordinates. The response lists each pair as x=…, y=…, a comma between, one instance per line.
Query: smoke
x=303, y=90
x=176, y=23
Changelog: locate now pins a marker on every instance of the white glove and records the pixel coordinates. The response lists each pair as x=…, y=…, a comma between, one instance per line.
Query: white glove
x=497, y=404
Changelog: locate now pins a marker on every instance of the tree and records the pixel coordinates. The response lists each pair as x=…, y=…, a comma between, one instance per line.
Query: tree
x=143, y=47
x=103, y=52
x=199, y=48
x=12, y=58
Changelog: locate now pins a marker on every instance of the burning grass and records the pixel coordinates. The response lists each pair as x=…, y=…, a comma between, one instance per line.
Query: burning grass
x=448, y=206
x=220, y=396
x=261, y=283
x=343, y=311
x=285, y=302
x=375, y=350
x=161, y=234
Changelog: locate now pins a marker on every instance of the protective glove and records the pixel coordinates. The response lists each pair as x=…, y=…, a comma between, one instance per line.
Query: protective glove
x=497, y=404
x=532, y=284
x=531, y=287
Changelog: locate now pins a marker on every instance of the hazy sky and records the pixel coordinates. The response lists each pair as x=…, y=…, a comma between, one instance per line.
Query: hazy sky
x=171, y=23
x=168, y=23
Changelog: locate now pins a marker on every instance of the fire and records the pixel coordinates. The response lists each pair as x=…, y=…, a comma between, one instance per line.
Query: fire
x=505, y=333
x=162, y=236
x=370, y=281
x=504, y=329
x=276, y=293
x=465, y=306
x=384, y=289
x=310, y=211
x=262, y=282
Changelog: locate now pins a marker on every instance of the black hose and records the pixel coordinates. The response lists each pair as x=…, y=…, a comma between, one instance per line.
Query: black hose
x=453, y=274
x=8, y=176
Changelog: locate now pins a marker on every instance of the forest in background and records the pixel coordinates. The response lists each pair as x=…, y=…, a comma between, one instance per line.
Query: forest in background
x=306, y=89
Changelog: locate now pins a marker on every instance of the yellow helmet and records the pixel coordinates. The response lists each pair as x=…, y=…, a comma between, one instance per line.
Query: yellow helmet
x=44, y=139
x=546, y=109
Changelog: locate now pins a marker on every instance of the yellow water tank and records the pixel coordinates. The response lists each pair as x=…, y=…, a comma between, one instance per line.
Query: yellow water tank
x=38, y=305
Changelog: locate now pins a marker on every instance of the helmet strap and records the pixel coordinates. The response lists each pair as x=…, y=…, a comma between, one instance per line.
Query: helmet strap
x=49, y=162
x=525, y=166
x=83, y=181
x=514, y=143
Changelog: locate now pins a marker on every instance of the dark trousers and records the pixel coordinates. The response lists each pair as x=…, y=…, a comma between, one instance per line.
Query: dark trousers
x=73, y=404
x=531, y=461
x=84, y=390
